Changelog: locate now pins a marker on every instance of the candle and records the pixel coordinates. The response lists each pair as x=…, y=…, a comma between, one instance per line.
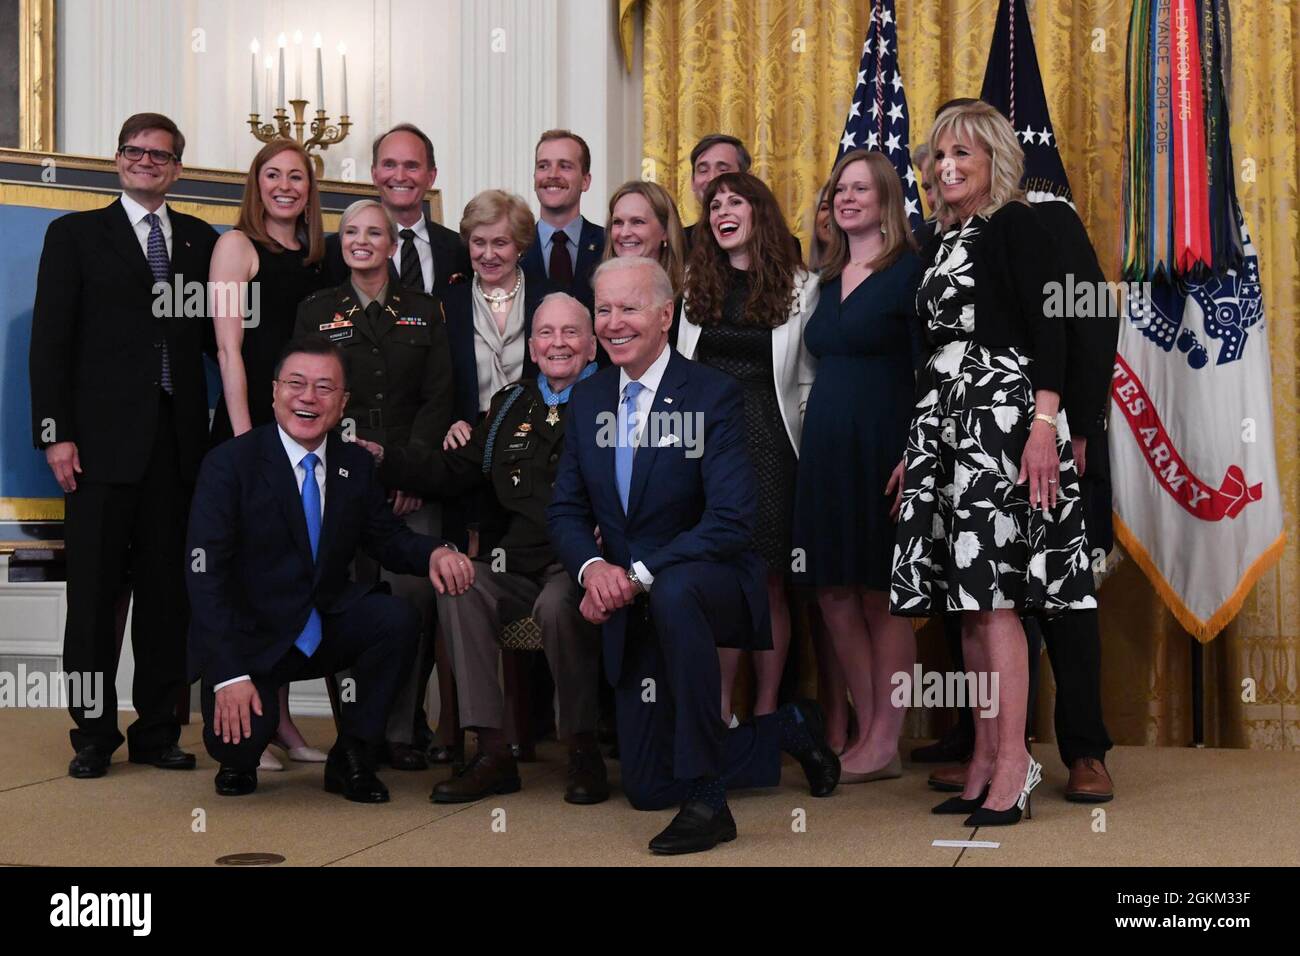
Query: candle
x=320, y=74
x=343, y=55
x=270, y=65
x=297, y=75
x=279, y=90
x=253, y=48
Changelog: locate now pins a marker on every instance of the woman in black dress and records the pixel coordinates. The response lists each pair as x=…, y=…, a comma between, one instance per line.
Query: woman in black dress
x=275, y=252
x=990, y=520
x=260, y=271
x=867, y=342
x=747, y=300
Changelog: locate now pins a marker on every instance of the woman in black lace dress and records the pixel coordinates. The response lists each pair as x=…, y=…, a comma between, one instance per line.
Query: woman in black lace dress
x=746, y=302
x=990, y=519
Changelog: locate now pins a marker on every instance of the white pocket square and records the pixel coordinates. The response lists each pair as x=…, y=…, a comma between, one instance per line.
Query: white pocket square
x=668, y=440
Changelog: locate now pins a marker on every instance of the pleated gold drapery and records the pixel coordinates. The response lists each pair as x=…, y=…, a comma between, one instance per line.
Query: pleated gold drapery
x=780, y=74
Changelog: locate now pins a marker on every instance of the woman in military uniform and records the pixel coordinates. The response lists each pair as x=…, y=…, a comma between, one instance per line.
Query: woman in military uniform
x=399, y=377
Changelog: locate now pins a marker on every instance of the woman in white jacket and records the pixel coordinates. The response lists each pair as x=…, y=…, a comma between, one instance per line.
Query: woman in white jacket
x=747, y=300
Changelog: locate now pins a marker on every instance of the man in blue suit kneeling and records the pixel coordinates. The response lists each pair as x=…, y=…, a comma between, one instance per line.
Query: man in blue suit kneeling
x=278, y=515
x=655, y=458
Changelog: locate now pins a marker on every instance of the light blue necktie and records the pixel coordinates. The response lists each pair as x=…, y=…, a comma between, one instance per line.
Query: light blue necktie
x=626, y=447
x=310, y=637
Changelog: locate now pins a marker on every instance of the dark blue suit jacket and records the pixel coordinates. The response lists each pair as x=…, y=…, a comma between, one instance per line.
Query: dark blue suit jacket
x=254, y=584
x=591, y=247
x=680, y=509
x=458, y=307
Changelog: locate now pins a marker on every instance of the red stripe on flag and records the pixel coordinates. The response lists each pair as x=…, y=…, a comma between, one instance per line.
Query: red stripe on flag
x=1191, y=177
x=1195, y=496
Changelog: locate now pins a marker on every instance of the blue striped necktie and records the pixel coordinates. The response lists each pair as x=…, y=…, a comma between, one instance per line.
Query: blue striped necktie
x=161, y=267
x=310, y=637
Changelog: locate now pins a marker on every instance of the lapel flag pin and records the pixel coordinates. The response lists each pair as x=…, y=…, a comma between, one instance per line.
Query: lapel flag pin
x=668, y=400
x=343, y=472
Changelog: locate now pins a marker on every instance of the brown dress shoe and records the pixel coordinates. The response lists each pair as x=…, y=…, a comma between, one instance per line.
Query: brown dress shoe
x=1089, y=782
x=950, y=779
x=486, y=774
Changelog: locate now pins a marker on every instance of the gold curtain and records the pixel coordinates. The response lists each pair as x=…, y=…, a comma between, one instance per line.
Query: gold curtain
x=780, y=74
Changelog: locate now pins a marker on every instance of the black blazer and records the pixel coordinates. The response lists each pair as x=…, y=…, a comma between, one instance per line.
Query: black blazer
x=1090, y=341
x=253, y=584
x=450, y=258
x=95, y=362
x=458, y=305
x=591, y=246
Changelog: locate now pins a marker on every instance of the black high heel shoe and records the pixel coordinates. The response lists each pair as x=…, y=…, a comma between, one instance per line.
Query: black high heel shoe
x=984, y=817
x=962, y=805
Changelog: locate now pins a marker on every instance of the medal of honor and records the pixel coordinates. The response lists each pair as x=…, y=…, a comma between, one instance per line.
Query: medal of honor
x=553, y=415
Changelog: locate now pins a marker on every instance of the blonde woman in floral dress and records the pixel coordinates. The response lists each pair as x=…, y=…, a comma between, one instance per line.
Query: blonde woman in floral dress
x=990, y=521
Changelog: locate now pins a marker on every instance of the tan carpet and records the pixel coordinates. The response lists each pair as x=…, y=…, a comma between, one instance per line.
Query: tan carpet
x=1176, y=807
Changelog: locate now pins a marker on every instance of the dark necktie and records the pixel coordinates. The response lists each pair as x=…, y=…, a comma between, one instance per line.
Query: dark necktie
x=561, y=264
x=161, y=267
x=412, y=275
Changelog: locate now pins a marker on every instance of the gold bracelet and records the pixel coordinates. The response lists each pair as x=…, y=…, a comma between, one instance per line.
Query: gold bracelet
x=1047, y=420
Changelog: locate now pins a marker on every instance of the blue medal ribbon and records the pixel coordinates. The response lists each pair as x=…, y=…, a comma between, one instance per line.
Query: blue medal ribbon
x=552, y=398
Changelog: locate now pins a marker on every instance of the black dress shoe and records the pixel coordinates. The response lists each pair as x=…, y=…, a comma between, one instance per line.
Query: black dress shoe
x=587, y=780
x=90, y=762
x=173, y=758
x=820, y=764
x=696, y=828
x=235, y=783
x=437, y=753
x=346, y=772
x=402, y=756
x=954, y=746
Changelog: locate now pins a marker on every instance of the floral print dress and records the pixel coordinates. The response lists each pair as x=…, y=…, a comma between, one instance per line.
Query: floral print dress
x=967, y=537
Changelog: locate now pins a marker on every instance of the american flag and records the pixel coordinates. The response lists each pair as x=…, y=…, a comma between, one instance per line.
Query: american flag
x=878, y=114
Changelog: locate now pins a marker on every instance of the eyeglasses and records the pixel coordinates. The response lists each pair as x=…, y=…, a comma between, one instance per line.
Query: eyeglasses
x=297, y=386
x=160, y=156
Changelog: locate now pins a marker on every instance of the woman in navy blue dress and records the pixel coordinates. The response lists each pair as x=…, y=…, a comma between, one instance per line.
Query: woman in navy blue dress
x=867, y=341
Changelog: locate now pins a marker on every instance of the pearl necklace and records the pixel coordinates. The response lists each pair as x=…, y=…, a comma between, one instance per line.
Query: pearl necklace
x=497, y=300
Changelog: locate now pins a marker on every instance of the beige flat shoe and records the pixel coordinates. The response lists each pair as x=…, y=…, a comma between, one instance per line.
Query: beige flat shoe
x=890, y=771
x=301, y=754
x=268, y=761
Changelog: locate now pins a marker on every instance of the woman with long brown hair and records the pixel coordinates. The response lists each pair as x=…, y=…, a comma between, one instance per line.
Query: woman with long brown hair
x=260, y=271
x=270, y=261
x=747, y=299
x=643, y=221
x=867, y=341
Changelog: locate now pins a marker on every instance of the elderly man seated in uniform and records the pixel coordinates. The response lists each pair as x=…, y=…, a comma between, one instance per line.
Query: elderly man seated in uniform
x=516, y=449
